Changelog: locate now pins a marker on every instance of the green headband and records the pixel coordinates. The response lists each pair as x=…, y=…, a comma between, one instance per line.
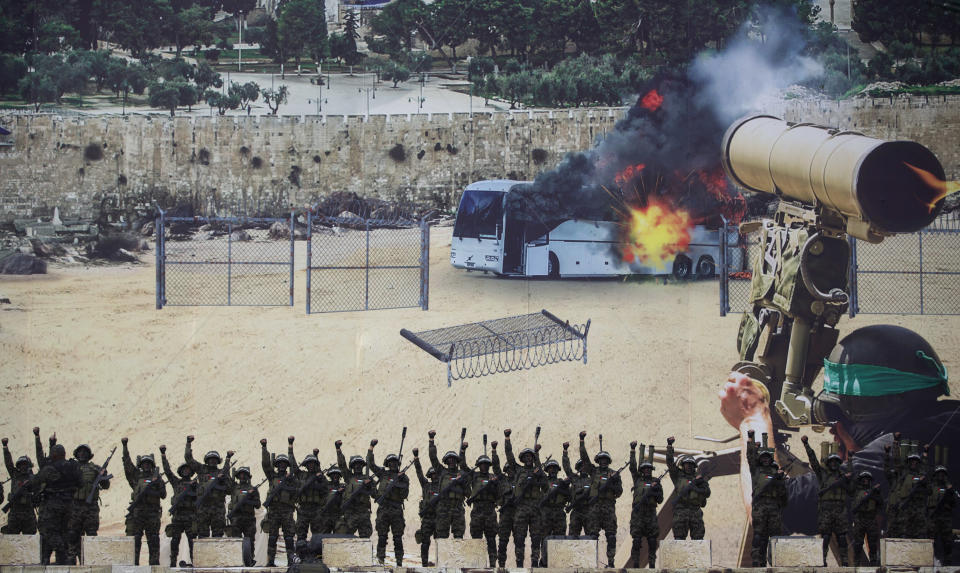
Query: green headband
x=870, y=380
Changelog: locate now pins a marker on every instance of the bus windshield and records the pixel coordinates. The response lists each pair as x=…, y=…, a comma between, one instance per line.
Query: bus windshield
x=480, y=215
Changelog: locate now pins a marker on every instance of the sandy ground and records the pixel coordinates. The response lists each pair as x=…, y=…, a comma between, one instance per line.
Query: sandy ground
x=85, y=354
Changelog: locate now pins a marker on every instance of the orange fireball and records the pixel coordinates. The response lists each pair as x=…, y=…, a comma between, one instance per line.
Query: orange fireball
x=655, y=233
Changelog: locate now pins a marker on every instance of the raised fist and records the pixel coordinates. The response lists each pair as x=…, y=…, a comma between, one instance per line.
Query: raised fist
x=230, y=453
x=804, y=439
x=53, y=439
x=263, y=442
x=5, y=441
x=537, y=447
x=751, y=434
x=373, y=442
x=316, y=451
x=583, y=434
x=338, y=443
x=124, y=440
x=416, y=452
x=36, y=430
x=432, y=434
x=507, y=432
x=290, y=439
x=633, y=445
x=465, y=445
x=493, y=444
x=163, y=449
x=189, y=438
x=566, y=445
x=670, y=440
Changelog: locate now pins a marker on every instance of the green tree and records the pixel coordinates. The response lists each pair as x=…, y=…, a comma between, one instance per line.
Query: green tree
x=397, y=23
x=447, y=22
x=302, y=29
x=50, y=79
x=12, y=70
x=222, y=102
x=138, y=26
x=246, y=93
x=206, y=77
x=97, y=63
x=351, y=33
x=274, y=98
x=165, y=95
x=395, y=73
x=188, y=94
x=883, y=20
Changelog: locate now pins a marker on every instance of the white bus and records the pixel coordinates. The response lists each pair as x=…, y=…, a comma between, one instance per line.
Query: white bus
x=487, y=238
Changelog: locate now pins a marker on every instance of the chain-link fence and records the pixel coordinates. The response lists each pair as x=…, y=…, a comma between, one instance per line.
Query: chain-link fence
x=360, y=263
x=914, y=273
x=224, y=261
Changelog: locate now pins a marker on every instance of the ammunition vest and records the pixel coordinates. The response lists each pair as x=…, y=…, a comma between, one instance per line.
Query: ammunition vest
x=25, y=500
x=362, y=500
x=331, y=490
x=244, y=491
x=864, y=503
x=692, y=496
x=88, y=474
x=430, y=492
x=762, y=489
x=479, y=482
x=188, y=503
x=649, y=488
x=528, y=486
x=401, y=487
x=152, y=497
x=912, y=486
x=208, y=481
x=316, y=492
x=454, y=493
x=830, y=489
x=67, y=480
x=939, y=492
x=558, y=499
x=599, y=479
x=283, y=491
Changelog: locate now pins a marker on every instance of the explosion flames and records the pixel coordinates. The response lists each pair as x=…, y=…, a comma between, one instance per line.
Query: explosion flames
x=943, y=188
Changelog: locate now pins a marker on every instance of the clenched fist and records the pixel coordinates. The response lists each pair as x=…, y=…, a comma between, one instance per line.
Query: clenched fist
x=5, y=442
x=416, y=452
x=230, y=453
x=263, y=442
x=124, y=441
x=671, y=440
x=189, y=438
x=566, y=445
x=290, y=439
x=316, y=451
x=464, y=446
x=493, y=444
x=804, y=439
x=633, y=445
x=163, y=449
x=36, y=430
x=506, y=433
x=338, y=443
x=374, y=442
x=432, y=434
x=583, y=434
x=537, y=447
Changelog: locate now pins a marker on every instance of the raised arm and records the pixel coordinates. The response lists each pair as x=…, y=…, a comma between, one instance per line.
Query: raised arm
x=129, y=469
x=432, y=451
x=495, y=458
x=41, y=456
x=265, y=462
x=8, y=458
x=424, y=482
x=812, y=458
x=196, y=466
x=463, y=458
x=565, y=460
x=584, y=456
x=745, y=404
x=341, y=460
x=371, y=462
x=508, y=448
x=172, y=477
x=672, y=468
x=294, y=466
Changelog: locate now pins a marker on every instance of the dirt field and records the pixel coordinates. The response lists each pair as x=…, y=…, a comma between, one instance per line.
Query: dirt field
x=85, y=354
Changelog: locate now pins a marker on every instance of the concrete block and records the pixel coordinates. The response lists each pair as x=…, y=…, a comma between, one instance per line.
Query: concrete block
x=460, y=553
x=19, y=549
x=796, y=551
x=347, y=552
x=136, y=568
x=218, y=552
x=906, y=552
x=572, y=553
x=684, y=554
x=102, y=551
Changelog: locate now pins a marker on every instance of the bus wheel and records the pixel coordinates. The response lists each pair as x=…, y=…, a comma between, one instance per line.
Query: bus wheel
x=706, y=269
x=682, y=267
x=553, y=266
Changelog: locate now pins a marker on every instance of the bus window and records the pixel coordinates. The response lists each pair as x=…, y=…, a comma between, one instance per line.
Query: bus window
x=480, y=215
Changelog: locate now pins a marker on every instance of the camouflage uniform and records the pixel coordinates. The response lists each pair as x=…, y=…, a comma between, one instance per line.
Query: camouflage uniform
x=59, y=481
x=647, y=495
x=183, y=508
x=605, y=487
x=430, y=486
x=143, y=517
x=355, y=504
x=553, y=518
x=528, y=489
x=392, y=490
x=85, y=517
x=211, y=515
x=244, y=503
x=280, y=505
x=451, y=514
x=769, y=499
x=834, y=496
x=941, y=503
x=483, y=488
x=579, y=497
x=914, y=489
x=691, y=498
x=508, y=506
x=21, y=518
x=330, y=513
x=865, y=508
x=312, y=498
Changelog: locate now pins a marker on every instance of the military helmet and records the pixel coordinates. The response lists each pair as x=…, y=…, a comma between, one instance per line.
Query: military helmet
x=887, y=346
x=484, y=460
x=940, y=469
x=309, y=459
x=186, y=466
x=391, y=458
x=834, y=457
x=914, y=456
x=243, y=470
x=58, y=450
x=431, y=471
x=578, y=465
x=281, y=458
x=686, y=459
x=335, y=470
x=355, y=460
x=84, y=446
x=451, y=454
x=212, y=454
x=24, y=460
x=146, y=458
x=645, y=465
x=765, y=452
x=603, y=454
x=526, y=451
x=552, y=464
x=865, y=474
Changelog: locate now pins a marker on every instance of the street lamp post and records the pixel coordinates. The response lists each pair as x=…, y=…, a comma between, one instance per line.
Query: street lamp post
x=240, y=42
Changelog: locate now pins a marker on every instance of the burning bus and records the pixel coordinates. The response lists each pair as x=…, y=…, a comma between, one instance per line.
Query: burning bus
x=490, y=234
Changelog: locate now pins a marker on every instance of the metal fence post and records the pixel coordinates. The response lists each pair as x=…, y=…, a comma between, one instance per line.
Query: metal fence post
x=366, y=291
x=920, y=236
x=292, y=233
x=724, y=270
x=424, y=264
x=309, y=253
x=229, y=263
x=158, y=233
x=853, y=307
x=163, y=259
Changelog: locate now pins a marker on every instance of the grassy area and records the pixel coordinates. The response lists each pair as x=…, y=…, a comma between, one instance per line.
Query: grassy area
x=917, y=90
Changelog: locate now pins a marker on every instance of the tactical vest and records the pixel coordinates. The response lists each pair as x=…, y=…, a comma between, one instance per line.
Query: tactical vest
x=332, y=507
x=692, y=496
x=558, y=499
x=431, y=491
x=642, y=488
x=601, y=478
x=25, y=500
x=762, y=486
x=187, y=504
x=864, y=502
x=246, y=492
x=939, y=492
x=832, y=488
x=580, y=488
x=362, y=500
x=479, y=487
x=399, y=491
x=528, y=485
x=283, y=492
x=446, y=478
x=151, y=498
x=315, y=492
x=67, y=481
x=208, y=481
x=912, y=486
x=88, y=474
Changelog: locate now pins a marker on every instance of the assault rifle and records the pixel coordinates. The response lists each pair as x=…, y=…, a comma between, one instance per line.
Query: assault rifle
x=23, y=490
x=336, y=497
x=538, y=471
x=433, y=501
x=243, y=500
x=307, y=483
x=950, y=493
x=913, y=491
x=647, y=493
x=874, y=494
x=101, y=477
x=689, y=487
x=842, y=480
x=363, y=489
x=180, y=497
x=577, y=500
x=763, y=488
x=392, y=484
x=157, y=481
x=281, y=486
x=491, y=484
x=562, y=485
x=216, y=485
x=609, y=481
